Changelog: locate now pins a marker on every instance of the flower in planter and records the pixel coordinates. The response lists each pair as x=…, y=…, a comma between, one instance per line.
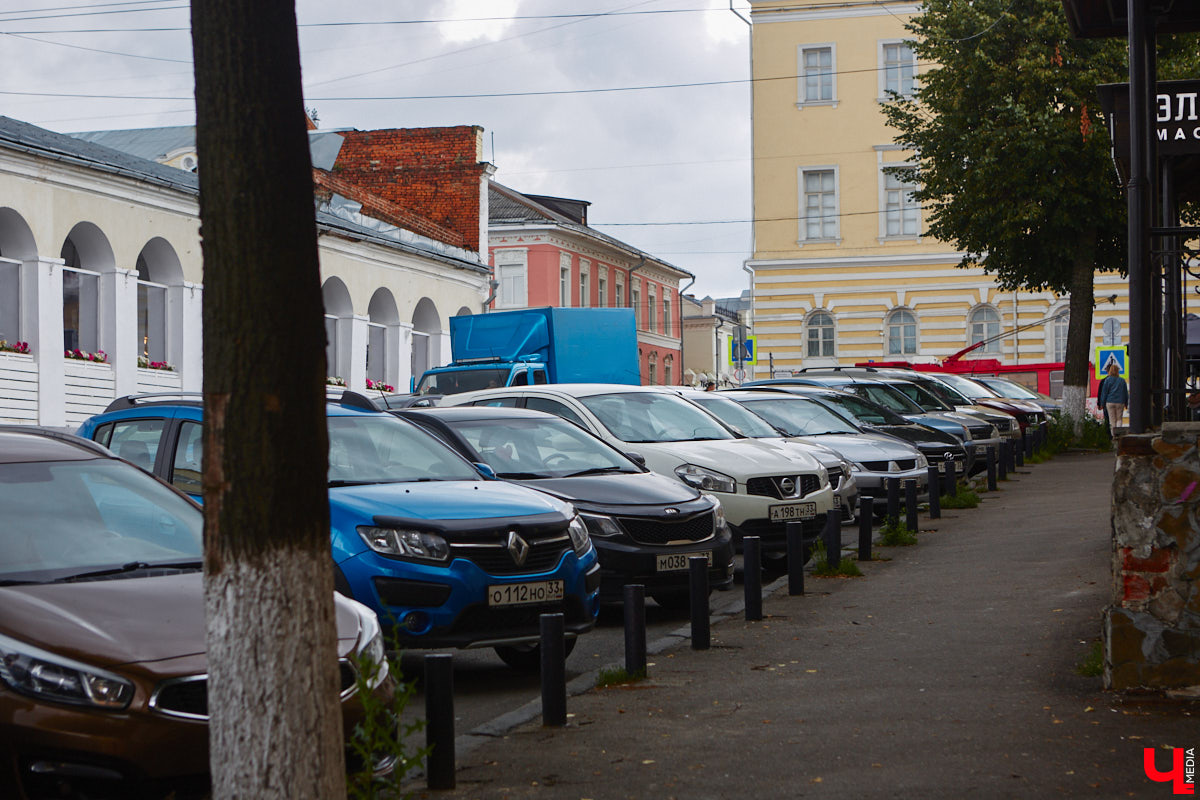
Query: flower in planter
x=98, y=357
x=145, y=363
x=380, y=386
x=15, y=347
x=332, y=381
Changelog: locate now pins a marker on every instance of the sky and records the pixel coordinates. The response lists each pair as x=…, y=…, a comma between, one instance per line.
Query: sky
x=567, y=110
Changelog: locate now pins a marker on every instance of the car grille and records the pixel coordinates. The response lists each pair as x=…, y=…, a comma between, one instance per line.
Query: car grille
x=189, y=696
x=769, y=487
x=938, y=456
x=903, y=464
x=661, y=531
x=981, y=431
x=835, y=476
x=520, y=621
x=495, y=559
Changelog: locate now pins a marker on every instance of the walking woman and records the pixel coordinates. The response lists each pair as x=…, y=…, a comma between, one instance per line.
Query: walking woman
x=1113, y=396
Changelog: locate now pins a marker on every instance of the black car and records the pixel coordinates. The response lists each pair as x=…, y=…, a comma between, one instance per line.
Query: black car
x=937, y=446
x=644, y=526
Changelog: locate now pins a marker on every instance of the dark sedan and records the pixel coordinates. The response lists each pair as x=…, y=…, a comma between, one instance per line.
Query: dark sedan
x=644, y=526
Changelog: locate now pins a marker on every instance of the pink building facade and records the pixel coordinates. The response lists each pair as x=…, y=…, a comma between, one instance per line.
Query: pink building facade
x=543, y=253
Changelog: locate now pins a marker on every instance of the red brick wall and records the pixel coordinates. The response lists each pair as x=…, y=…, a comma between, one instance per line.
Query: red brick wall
x=433, y=172
x=377, y=207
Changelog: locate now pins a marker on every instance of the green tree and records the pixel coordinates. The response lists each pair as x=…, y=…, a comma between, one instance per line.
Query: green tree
x=1013, y=159
x=275, y=730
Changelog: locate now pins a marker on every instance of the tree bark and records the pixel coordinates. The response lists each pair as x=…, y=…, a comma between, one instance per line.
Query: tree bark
x=275, y=725
x=1079, y=330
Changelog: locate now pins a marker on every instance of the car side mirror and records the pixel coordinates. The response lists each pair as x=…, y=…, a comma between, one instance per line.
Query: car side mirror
x=485, y=470
x=637, y=458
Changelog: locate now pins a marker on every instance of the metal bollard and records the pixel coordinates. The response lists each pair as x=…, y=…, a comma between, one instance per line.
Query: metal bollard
x=831, y=534
x=554, y=671
x=910, y=504
x=991, y=468
x=698, y=578
x=1019, y=452
x=752, y=577
x=935, y=492
x=795, y=557
x=439, y=720
x=1002, y=461
x=635, y=629
x=1029, y=445
x=866, y=516
x=948, y=480
x=893, y=498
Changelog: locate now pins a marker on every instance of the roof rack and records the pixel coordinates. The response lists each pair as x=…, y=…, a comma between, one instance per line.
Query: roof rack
x=134, y=400
x=835, y=369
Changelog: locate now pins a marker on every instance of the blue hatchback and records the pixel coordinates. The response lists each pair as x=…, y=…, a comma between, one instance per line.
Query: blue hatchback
x=445, y=555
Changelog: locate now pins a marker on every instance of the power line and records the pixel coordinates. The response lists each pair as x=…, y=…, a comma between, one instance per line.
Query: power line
x=95, y=49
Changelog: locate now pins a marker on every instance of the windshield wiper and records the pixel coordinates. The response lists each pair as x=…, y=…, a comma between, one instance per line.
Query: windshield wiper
x=594, y=471
x=336, y=483
x=521, y=476
x=132, y=566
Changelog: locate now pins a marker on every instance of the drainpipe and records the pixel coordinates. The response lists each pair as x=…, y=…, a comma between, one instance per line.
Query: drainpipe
x=679, y=303
x=493, y=284
x=750, y=271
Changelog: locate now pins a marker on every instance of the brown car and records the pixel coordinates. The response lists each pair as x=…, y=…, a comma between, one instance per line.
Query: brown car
x=102, y=664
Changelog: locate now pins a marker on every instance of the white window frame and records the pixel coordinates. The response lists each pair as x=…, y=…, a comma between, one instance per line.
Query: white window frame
x=651, y=307
x=811, y=327
x=666, y=303
x=152, y=344
x=92, y=343
x=889, y=322
x=619, y=288
x=883, y=45
x=635, y=299
x=1060, y=325
x=585, y=273
x=801, y=172
x=512, y=272
x=377, y=351
x=990, y=327
x=601, y=286
x=907, y=204
x=802, y=100
x=564, y=280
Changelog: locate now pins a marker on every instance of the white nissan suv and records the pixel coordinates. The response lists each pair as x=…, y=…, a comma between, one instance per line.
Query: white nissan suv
x=761, y=488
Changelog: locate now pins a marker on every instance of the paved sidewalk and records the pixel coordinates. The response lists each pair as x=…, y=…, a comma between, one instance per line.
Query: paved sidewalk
x=948, y=672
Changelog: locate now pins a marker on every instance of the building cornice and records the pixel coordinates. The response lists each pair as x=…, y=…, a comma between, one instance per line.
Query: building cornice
x=849, y=10
x=856, y=261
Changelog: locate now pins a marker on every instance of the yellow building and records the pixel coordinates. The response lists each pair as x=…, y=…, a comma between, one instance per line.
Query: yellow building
x=843, y=272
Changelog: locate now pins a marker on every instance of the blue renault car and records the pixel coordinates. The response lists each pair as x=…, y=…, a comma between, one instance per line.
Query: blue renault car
x=446, y=555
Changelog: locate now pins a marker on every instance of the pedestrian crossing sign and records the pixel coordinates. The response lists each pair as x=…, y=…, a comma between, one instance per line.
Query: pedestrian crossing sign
x=745, y=349
x=1111, y=355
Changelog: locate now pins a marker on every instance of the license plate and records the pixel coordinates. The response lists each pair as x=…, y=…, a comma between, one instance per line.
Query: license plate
x=942, y=467
x=678, y=562
x=981, y=450
x=519, y=594
x=793, y=511
x=837, y=501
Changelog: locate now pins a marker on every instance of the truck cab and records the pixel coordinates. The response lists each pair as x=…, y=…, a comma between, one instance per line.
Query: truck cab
x=482, y=373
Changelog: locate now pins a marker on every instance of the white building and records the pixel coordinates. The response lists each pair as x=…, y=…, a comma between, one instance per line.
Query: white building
x=100, y=251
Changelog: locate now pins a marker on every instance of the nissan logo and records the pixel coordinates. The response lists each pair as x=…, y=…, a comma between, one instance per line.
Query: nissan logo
x=518, y=548
x=787, y=486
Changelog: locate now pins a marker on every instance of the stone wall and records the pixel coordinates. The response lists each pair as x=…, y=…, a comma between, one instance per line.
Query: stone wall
x=1152, y=628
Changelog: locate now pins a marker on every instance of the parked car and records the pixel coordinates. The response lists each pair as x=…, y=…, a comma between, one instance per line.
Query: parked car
x=644, y=526
x=102, y=653
x=1006, y=388
x=938, y=447
x=744, y=422
x=1027, y=413
x=445, y=556
x=760, y=489
x=873, y=457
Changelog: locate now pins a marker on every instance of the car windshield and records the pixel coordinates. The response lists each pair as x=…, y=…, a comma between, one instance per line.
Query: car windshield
x=799, y=416
x=378, y=448
x=737, y=417
x=467, y=380
x=1010, y=389
x=862, y=410
x=888, y=397
x=968, y=387
x=653, y=417
x=63, y=519
x=540, y=448
x=922, y=396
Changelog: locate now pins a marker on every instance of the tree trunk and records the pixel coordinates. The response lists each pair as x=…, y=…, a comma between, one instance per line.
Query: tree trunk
x=275, y=728
x=1079, y=331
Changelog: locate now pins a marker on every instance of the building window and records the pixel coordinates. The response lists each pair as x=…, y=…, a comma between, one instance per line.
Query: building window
x=818, y=215
x=901, y=212
x=652, y=369
x=331, y=361
x=10, y=301
x=510, y=272
x=652, y=316
x=666, y=317
x=152, y=315
x=621, y=300
x=564, y=280
x=667, y=363
x=820, y=335
x=984, y=324
x=901, y=333
x=1062, y=322
x=81, y=291
x=583, y=283
x=818, y=84
x=601, y=286
x=897, y=70
x=376, y=351
x=635, y=302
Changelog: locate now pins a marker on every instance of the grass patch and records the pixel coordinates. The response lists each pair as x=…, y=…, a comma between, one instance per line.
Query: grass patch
x=1093, y=435
x=895, y=533
x=616, y=676
x=1092, y=665
x=962, y=498
x=846, y=568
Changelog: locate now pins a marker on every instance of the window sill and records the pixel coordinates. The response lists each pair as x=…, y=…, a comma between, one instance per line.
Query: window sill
x=885, y=100
x=905, y=238
x=801, y=105
x=837, y=241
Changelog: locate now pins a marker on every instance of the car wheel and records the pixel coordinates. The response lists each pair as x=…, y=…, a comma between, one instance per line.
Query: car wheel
x=527, y=657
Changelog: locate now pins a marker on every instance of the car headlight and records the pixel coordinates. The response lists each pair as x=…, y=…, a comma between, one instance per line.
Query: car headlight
x=967, y=434
x=46, y=676
x=405, y=543
x=922, y=461
x=995, y=432
x=600, y=525
x=370, y=651
x=705, y=479
x=579, y=536
x=718, y=512
x=855, y=466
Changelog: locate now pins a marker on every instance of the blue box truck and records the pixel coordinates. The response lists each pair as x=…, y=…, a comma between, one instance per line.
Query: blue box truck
x=537, y=345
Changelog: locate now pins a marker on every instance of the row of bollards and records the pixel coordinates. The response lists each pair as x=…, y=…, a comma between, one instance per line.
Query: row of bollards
x=439, y=673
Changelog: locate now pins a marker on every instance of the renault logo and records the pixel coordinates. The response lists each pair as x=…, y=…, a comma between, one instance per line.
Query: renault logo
x=787, y=486
x=518, y=548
